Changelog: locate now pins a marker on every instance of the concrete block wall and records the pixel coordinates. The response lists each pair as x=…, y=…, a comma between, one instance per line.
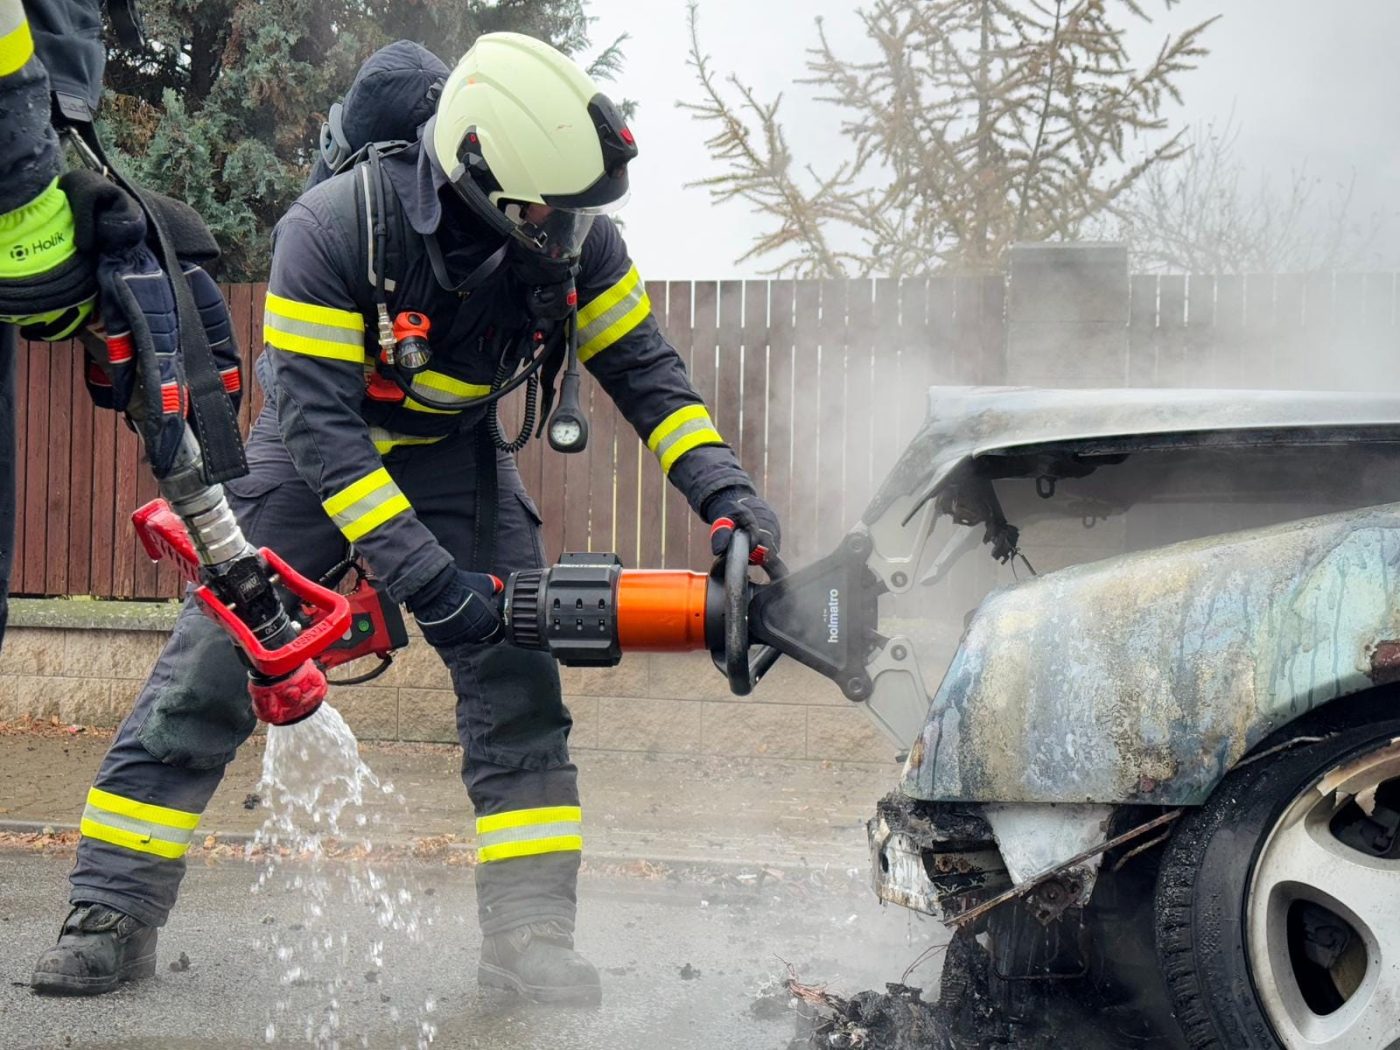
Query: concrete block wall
x=84, y=662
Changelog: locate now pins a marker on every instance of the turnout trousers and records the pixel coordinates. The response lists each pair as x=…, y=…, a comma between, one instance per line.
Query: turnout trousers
x=194, y=712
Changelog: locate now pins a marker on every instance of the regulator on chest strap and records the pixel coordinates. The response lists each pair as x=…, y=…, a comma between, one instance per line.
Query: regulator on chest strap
x=544, y=347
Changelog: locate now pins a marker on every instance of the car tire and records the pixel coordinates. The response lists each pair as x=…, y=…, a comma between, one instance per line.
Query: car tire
x=1218, y=905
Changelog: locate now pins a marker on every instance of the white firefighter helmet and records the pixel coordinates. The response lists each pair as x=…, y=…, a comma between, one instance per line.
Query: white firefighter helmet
x=519, y=123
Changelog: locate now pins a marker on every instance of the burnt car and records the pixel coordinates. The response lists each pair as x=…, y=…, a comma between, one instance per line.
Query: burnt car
x=1162, y=767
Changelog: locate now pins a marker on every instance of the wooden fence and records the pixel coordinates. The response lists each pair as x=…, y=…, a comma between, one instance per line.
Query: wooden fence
x=817, y=385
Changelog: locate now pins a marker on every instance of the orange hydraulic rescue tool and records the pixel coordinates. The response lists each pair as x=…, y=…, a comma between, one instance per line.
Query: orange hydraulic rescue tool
x=587, y=611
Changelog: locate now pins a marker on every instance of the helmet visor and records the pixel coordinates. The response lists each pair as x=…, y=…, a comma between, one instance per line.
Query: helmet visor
x=555, y=233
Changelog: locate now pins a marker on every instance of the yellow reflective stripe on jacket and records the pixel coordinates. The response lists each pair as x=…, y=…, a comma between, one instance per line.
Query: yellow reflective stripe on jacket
x=387, y=440
x=362, y=507
x=317, y=331
x=139, y=826
x=684, y=429
x=608, y=318
x=529, y=832
x=445, y=388
x=16, y=41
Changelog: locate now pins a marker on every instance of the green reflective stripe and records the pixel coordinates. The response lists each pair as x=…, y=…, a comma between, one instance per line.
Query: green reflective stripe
x=444, y=388
x=526, y=834
x=360, y=508
x=387, y=440
x=692, y=435
x=316, y=331
x=684, y=429
x=16, y=41
x=612, y=315
x=145, y=828
x=140, y=826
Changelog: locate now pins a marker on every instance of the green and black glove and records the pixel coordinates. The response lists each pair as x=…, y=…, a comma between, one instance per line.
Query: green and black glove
x=47, y=286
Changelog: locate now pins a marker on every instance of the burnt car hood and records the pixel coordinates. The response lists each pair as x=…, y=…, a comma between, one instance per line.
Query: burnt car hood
x=967, y=424
x=1145, y=677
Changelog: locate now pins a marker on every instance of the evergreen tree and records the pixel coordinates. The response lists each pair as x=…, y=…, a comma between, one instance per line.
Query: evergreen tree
x=224, y=108
x=978, y=124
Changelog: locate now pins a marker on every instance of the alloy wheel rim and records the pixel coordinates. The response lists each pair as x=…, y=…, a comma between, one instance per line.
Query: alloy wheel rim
x=1323, y=911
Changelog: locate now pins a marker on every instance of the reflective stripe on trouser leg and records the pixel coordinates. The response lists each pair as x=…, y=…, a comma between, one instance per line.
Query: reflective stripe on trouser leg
x=142, y=812
x=514, y=731
x=135, y=825
x=528, y=833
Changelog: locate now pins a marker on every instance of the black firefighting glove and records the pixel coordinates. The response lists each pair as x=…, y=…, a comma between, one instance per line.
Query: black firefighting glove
x=458, y=608
x=139, y=321
x=742, y=508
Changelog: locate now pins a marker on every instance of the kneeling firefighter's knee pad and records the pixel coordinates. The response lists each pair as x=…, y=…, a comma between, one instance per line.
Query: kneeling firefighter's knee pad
x=199, y=712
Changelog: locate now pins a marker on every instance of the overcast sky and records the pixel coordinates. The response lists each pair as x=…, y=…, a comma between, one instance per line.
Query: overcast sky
x=1309, y=83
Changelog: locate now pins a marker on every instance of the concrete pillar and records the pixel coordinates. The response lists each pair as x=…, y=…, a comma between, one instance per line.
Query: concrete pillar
x=1067, y=315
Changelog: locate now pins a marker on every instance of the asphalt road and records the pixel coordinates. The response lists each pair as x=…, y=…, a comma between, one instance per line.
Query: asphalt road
x=392, y=964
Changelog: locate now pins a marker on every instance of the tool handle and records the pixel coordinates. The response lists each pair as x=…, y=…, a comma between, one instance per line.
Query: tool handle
x=330, y=619
x=163, y=535
x=742, y=672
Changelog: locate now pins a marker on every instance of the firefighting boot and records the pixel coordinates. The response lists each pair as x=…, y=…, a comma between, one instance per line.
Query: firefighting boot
x=539, y=962
x=98, y=948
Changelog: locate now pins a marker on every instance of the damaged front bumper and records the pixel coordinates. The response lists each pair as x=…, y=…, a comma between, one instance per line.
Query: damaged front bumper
x=958, y=860
x=937, y=858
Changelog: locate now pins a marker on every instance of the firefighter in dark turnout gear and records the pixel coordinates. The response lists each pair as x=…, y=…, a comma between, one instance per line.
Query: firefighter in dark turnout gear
x=404, y=291
x=71, y=247
x=38, y=288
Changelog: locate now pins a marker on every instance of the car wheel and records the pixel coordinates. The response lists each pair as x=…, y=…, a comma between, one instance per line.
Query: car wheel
x=1278, y=902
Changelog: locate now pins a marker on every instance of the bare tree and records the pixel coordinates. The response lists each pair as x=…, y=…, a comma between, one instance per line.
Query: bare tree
x=979, y=123
x=1206, y=213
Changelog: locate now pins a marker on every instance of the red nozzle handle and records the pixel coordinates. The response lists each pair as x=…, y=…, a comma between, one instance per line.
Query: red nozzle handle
x=330, y=619
x=163, y=534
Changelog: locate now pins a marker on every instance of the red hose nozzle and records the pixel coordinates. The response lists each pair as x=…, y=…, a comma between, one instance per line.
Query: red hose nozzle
x=289, y=699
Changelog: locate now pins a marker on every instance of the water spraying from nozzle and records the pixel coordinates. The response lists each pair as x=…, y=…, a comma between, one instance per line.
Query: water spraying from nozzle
x=318, y=790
